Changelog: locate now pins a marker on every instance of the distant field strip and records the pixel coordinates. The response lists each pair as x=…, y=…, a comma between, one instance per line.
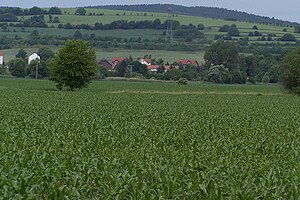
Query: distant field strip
x=198, y=93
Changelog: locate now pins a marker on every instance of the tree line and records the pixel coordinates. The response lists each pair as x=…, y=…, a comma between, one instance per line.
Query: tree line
x=125, y=25
x=31, y=11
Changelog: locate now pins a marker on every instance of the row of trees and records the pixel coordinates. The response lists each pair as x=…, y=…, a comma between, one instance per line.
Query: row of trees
x=233, y=31
x=31, y=11
x=230, y=30
x=10, y=14
x=225, y=65
x=124, y=24
x=105, y=42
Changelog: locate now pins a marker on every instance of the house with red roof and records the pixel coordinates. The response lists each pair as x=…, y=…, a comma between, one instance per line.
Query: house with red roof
x=153, y=68
x=146, y=61
x=116, y=61
x=186, y=62
x=107, y=64
x=167, y=67
x=1, y=57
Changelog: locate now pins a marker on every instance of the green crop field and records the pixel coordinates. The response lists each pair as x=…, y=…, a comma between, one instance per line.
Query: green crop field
x=148, y=140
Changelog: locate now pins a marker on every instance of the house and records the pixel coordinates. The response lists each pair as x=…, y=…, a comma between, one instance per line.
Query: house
x=188, y=62
x=1, y=57
x=146, y=61
x=33, y=56
x=116, y=61
x=153, y=68
x=105, y=63
x=167, y=67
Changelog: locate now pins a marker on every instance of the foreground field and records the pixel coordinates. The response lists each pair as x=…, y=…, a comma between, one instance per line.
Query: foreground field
x=133, y=140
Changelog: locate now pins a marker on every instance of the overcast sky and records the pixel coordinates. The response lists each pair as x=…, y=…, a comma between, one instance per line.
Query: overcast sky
x=287, y=9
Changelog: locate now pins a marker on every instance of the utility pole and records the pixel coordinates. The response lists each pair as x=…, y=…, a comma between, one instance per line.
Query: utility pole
x=130, y=68
x=37, y=69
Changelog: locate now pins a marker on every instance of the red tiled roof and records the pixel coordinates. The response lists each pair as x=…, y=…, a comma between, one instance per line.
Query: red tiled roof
x=106, y=64
x=152, y=66
x=103, y=60
x=187, y=62
x=1, y=53
x=167, y=67
x=119, y=60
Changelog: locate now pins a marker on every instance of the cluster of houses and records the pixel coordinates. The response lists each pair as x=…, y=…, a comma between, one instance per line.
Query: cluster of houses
x=110, y=65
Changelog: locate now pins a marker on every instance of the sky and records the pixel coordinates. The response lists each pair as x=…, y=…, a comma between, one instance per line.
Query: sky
x=286, y=10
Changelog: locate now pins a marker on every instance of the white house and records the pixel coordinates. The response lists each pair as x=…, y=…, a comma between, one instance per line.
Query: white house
x=146, y=61
x=33, y=56
x=1, y=58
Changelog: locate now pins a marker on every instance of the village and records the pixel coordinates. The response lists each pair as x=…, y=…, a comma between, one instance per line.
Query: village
x=152, y=66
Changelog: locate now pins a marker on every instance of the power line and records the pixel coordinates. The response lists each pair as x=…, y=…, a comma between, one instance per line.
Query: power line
x=170, y=32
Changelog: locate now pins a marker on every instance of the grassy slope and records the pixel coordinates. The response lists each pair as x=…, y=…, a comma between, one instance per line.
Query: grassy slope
x=111, y=15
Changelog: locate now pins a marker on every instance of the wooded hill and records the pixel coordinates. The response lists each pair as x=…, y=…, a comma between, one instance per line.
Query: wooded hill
x=201, y=11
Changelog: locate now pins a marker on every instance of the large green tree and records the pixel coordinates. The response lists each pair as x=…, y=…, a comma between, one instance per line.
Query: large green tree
x=42, y=67
x=225, y=54
x=80, y=11
x=290, y=71
x=222, y=53
x=121, y=68
x=45, y=53
x=17, y=67
x=218, y=74
x=55, y=11
x=74, y=65
x=288, y=37
x=21, y=54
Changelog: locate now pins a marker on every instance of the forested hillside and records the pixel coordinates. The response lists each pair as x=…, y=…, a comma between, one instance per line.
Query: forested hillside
x=201, y=11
